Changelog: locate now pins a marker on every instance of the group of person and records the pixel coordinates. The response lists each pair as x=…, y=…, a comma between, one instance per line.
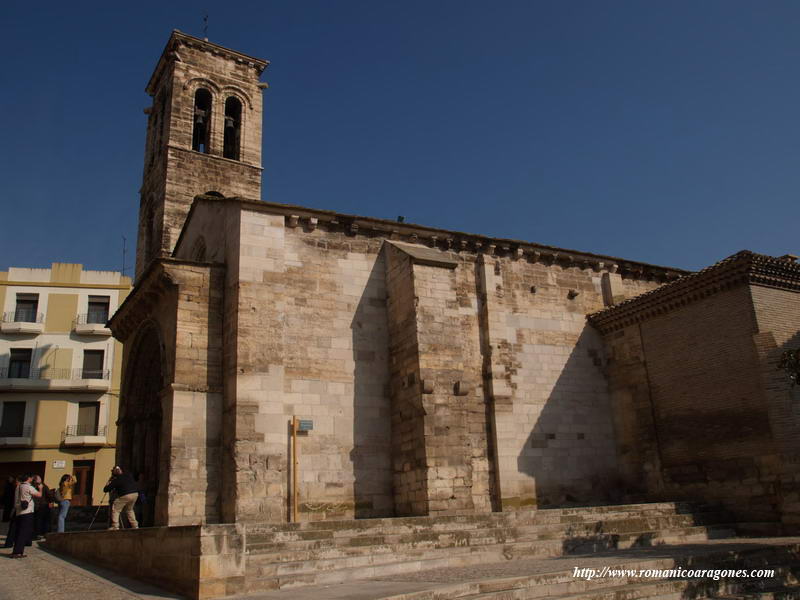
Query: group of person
x=27, y=502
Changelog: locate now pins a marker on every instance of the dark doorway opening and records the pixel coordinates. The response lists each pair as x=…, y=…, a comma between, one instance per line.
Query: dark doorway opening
x=83, y=472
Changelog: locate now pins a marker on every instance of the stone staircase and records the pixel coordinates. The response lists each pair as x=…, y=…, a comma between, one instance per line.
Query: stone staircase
x=780, y=555
x=325, y=552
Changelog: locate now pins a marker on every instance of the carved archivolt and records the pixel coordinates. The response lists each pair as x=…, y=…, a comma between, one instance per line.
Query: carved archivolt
x=244, y=97
x=198, y=82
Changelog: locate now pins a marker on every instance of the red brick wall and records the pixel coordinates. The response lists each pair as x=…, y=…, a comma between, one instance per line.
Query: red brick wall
x=777, y=315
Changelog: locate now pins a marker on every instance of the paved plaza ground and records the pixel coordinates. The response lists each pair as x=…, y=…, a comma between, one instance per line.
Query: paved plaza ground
x=45, y=575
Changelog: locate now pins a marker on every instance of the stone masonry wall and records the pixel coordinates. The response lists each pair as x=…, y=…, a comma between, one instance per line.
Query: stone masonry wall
x=478, y=386
x=305, y=335
x=552, y=413
x=196, y=562
x=441, y=448
x=450, y=367
x=409, y=451
x=195, y=423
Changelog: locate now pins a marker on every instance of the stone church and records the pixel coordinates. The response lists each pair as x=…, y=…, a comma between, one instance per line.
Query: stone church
x=436, y=372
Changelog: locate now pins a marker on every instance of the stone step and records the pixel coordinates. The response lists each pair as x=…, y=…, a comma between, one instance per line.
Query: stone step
x=266, y=543
x=385, y=560
x=543, y=516
x=656, y=590
x=779, y=593
x=257, y=538
x=552, y=583
x=562, y=585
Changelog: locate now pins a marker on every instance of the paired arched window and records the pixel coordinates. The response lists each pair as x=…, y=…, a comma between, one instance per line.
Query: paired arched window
x=233, y=128
x=232, y=124
x=202, y=120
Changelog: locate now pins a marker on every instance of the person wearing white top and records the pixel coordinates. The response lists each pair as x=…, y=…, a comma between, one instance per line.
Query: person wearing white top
x=23, y=505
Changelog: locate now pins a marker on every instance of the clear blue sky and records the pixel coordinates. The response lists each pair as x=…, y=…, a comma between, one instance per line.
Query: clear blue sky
x=666, y=132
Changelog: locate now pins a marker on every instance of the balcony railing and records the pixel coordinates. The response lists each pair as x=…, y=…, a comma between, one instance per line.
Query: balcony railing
x=23, y=315
x=49, y=373
x=15, y=432
x=85, y=430
x=93, y=318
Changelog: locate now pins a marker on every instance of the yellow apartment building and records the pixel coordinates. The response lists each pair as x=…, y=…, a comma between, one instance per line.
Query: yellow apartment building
x=60, y=374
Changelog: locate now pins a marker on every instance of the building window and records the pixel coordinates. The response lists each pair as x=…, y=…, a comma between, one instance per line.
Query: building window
x=92, y=364
x=27, y=308
x=13, y=423
x=202, y=117
x=98, y=309
x=88, y=418
x=233, y=126
x=19, y=367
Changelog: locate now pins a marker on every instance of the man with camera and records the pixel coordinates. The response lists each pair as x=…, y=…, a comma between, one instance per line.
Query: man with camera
x=126, y=492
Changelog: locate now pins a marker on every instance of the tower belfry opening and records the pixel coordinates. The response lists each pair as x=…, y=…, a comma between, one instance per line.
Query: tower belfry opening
x=233, y=125
x=202, y=115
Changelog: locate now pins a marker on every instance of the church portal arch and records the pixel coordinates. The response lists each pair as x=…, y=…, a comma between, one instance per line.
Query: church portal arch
x=141, y=415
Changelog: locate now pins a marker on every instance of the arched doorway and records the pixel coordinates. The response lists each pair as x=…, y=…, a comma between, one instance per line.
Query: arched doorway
x=140, y=421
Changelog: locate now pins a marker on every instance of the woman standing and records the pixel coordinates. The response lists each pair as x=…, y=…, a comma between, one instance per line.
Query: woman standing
x=64, y=497
x=23, y=506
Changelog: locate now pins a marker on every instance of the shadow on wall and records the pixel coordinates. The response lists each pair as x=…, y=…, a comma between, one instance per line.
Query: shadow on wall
x=214, y=444
x=748, y=461
x=371, y=454
x=570, y=452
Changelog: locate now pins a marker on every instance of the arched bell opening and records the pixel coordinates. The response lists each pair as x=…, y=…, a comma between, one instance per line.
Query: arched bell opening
x=202, y=118
x=233, y=128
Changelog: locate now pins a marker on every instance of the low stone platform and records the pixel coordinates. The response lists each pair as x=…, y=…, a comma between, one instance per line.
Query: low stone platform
x=224, y=560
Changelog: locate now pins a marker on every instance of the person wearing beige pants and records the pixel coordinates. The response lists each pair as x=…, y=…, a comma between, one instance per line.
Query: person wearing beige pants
x=127, y=492
x=124, y=504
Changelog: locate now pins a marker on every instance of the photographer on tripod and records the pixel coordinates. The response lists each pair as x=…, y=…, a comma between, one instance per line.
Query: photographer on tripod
x=126, y=491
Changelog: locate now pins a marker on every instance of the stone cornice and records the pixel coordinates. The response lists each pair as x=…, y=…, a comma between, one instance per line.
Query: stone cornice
x=178, y=39
x=450, y=241
x=431, y=257
x=151, y=286
x=742, y=268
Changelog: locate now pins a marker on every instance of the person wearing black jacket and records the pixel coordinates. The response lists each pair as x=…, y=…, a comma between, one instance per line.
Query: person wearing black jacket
x=8, y=498
x=124, y=488
x=41, y=508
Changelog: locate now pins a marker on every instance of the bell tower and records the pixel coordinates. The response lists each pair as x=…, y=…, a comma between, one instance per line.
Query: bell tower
x=203, y=135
